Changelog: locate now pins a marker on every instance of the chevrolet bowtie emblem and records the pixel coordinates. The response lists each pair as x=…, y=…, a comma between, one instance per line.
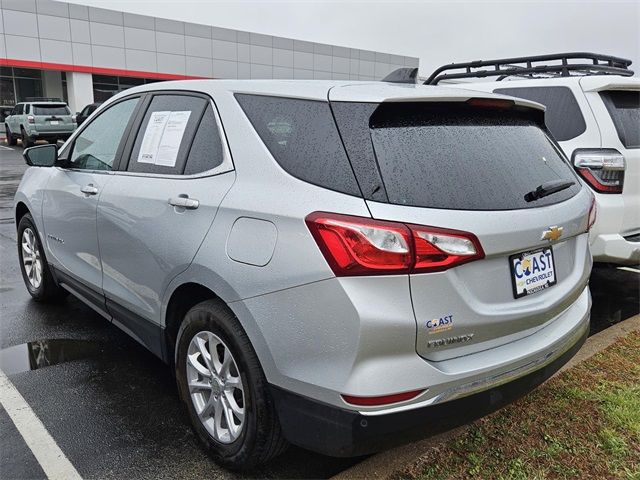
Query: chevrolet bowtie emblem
x=552, y=234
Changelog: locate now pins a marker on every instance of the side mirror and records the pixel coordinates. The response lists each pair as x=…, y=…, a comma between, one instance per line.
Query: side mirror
x=41, y=156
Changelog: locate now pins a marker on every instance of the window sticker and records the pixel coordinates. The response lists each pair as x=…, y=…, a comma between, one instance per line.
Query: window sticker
x=162, y=138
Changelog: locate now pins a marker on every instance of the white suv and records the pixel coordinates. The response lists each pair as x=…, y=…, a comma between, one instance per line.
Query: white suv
x=593, y=111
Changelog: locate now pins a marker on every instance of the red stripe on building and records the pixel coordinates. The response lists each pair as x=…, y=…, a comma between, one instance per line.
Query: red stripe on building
x=118, y=72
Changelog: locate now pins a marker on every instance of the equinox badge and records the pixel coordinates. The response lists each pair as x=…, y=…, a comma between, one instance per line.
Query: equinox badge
x=554, y=233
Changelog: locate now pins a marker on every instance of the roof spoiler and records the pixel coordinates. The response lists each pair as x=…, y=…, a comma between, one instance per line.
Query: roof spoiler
x=585, y=64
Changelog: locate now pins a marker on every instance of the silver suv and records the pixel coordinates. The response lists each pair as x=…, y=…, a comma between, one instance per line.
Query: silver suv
x=339, y=265
x=39, y=120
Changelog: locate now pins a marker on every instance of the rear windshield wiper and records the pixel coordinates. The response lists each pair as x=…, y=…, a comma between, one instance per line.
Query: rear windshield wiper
x=548, y=188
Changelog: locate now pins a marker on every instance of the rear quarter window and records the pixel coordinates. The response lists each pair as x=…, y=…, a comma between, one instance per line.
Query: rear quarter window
x=624, y=108
x=302, y=137
x=563, y=115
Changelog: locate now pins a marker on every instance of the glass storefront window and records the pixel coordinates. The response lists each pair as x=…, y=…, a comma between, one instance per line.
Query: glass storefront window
x=19, y=84
x=102, y=91
x=7, y=94
x=105, y=86
x=27, y=88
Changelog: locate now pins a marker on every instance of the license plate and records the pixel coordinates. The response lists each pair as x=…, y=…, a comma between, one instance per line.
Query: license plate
x=532, y=271
x=54, y=122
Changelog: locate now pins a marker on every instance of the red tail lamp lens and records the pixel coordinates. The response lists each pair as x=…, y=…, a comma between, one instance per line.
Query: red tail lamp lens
x=363, y=246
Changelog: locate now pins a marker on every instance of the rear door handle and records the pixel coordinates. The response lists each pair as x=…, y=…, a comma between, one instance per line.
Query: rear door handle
x=89, y=189
x=185, y=202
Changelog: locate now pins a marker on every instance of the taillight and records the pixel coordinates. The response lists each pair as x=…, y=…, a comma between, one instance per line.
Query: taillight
x=363, y=246
x=437, y=249
x=490, y=103
x=593, y=213
x=31, y=119
x=603, y=169
x=74, y=118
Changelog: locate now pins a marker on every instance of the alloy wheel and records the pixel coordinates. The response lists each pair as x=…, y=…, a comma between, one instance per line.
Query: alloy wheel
x=31, y=260
x=215, y=387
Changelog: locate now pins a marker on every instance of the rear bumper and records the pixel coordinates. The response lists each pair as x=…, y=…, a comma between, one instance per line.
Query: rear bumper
x=340, y=432
x=614, y=248
x=36, y=135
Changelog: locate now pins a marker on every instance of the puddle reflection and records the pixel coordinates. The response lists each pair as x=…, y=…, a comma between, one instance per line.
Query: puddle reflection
x=44, y=353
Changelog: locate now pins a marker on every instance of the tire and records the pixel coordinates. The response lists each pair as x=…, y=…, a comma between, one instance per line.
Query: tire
x=11, y=140
x=260, y=437
x=26, y=140
x=46, y=289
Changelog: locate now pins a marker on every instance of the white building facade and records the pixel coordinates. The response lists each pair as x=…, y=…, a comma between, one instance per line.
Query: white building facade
x=83, y=54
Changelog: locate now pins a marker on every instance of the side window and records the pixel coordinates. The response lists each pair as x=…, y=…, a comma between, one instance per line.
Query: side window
x=624, y=108
x=206, y=151
x=563, y=115
x=27, y=108
x=166, y=133
x=303, y=138
x=96, y=146
x=19, y=109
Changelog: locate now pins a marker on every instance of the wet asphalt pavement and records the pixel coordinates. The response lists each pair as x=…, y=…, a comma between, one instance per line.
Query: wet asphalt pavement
x=111, y=406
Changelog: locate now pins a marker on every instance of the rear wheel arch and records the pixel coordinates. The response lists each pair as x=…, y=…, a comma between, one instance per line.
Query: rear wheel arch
x=21, y=211
x=183, y=298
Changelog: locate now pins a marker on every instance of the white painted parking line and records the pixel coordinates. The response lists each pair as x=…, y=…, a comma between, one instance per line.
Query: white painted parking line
x=6, y=148
x=52, y=460
x=629, y=269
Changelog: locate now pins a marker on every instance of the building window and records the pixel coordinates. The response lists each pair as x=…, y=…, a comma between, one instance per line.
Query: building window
x=106, y=86
x=19, y=84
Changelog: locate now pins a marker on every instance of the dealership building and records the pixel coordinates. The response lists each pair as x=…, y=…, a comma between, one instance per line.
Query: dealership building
x=83, y=54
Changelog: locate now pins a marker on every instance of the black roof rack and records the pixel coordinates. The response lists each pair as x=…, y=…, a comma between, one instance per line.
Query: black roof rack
x=586, y=64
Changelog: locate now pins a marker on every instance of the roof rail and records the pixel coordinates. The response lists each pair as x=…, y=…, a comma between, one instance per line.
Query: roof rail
x=587, y=64
x=44, y=99
x=402, y=75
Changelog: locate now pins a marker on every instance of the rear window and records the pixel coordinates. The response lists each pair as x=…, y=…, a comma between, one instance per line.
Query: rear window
x=624, y=108
x=302, y=137
x=456, y=157
x=51, y=110
x=563, y=116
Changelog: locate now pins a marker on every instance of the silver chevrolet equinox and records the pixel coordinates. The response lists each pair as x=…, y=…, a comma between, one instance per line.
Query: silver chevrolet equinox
x=343, y=266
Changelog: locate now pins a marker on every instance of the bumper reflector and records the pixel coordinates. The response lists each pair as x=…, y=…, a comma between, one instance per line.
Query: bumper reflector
x=382, y=400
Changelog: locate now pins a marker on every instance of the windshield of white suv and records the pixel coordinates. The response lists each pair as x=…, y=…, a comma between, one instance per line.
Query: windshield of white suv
x=47, y=109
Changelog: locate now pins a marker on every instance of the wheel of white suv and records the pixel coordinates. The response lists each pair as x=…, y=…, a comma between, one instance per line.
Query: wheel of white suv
x=11, y=140
x=225, y=391
x=33, y=264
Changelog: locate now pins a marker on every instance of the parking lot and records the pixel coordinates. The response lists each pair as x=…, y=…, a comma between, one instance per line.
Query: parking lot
x=111, y=406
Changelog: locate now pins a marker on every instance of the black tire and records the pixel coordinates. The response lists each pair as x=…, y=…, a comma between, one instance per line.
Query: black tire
x=11, y=140
x=261, y=437
x=47, y=290
x=26, y=140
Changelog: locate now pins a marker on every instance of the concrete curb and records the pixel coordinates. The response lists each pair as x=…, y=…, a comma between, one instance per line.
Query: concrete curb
x=382, y=465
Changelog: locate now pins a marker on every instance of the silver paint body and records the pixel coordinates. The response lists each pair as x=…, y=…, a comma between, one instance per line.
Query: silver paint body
x=315, y=334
